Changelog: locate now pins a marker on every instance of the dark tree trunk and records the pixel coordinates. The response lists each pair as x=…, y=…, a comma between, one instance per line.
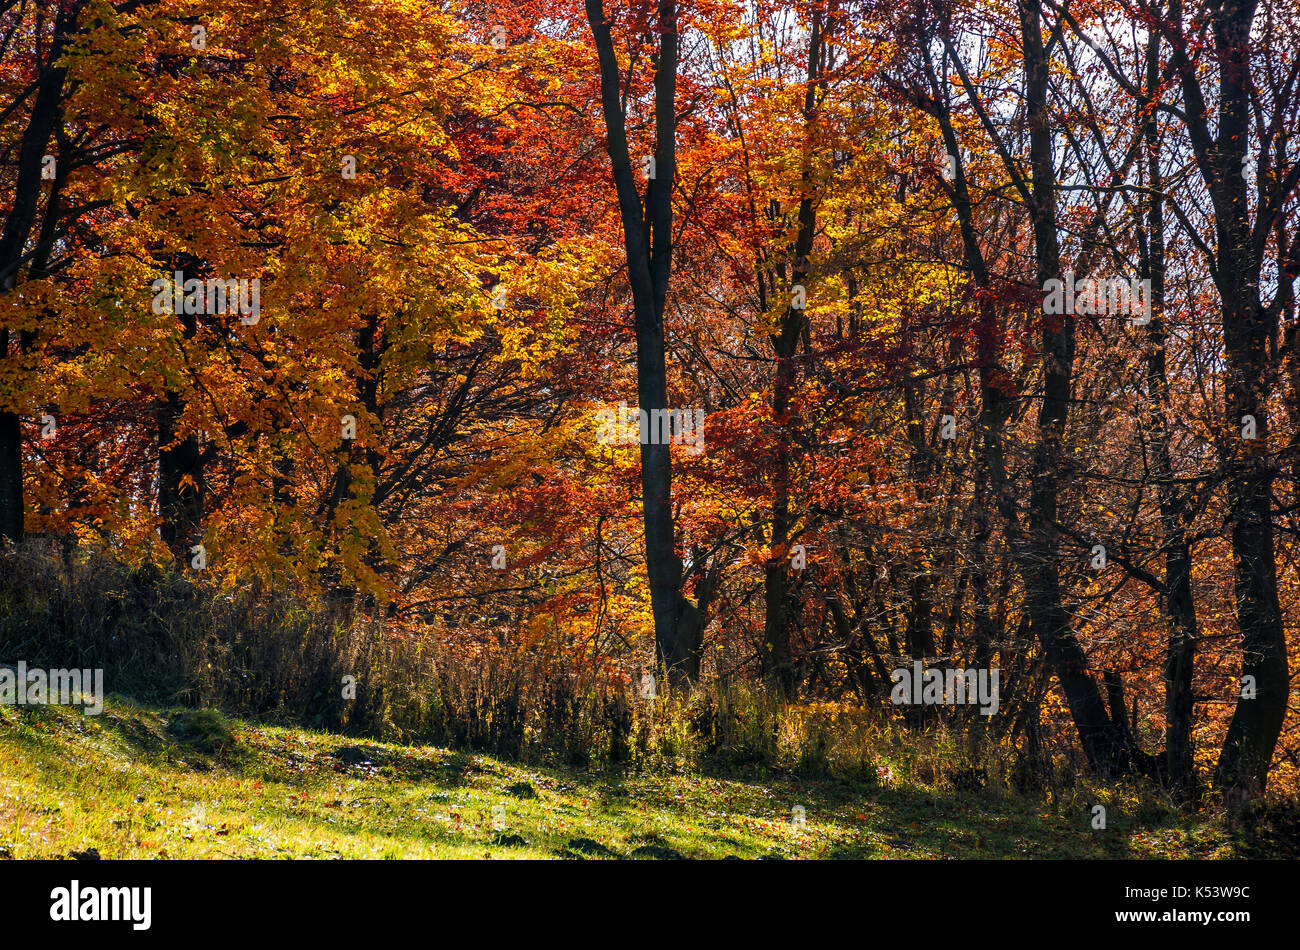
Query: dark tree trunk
x=1103, y=744
x=778, y=665
x=1034, y=545
x=778, y=668
x=11, y=471
x=13, y=240
x=1220, y=145
x=647, y=236
x=181, y=467
x=1178, y=768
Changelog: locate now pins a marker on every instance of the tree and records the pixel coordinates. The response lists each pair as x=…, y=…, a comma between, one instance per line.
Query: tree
x=648, y=241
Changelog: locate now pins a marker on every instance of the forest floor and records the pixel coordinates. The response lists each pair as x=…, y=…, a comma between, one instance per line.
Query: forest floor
x=137, y=782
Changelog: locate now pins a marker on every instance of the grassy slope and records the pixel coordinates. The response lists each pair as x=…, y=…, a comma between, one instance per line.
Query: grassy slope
x=121, y=784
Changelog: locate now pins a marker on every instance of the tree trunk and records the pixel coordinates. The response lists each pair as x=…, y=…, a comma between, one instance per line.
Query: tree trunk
x=11, y=471
x=1049, y=621
x=777, y=662
x=181, y=485
x=647, y=240
x=1179, y=772
x=1248, y=329
x=1034, y=546
x=13, y=240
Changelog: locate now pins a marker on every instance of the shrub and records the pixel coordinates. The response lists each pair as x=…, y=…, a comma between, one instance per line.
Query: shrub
x=205, y=730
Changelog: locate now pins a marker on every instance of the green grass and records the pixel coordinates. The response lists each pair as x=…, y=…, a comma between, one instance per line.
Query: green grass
x=137, y=782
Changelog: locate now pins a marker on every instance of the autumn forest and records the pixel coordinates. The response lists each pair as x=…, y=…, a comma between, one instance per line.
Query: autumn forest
x=663, y=384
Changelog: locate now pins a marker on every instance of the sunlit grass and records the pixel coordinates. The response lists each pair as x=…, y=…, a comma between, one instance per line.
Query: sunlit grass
x=131, y=784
